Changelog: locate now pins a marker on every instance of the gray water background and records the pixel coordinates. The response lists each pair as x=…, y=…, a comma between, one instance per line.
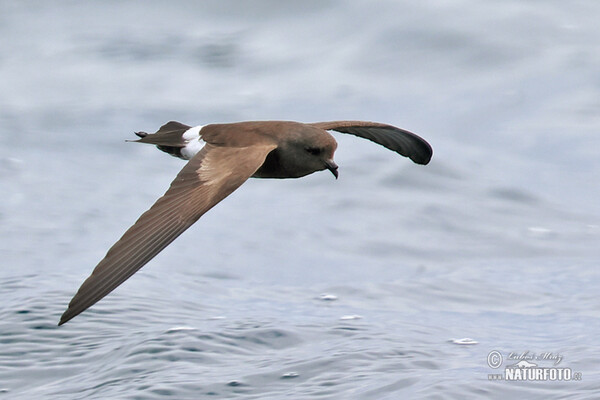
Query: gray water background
x=496, y=240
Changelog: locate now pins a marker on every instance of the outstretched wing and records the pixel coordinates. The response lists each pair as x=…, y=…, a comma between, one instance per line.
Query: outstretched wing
x=209, y=177
x=399, y=140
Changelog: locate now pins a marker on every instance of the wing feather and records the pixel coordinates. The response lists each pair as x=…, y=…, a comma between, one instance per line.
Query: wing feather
x=209, y=177
x=399, y=140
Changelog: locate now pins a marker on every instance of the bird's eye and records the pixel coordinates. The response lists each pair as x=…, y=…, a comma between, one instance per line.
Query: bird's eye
x=315, y=151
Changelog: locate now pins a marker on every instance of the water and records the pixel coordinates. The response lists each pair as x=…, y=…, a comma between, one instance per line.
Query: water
x=359, y=288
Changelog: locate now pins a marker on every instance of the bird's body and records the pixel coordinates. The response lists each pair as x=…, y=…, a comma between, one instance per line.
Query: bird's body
x=221, y=158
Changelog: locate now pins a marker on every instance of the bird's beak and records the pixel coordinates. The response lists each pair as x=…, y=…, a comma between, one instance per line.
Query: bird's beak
x=332, y=166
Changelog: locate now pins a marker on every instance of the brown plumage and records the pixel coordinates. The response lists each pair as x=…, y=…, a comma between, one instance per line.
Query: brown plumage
x=232, y=154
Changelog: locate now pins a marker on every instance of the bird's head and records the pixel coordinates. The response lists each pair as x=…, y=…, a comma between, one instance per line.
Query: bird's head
x=309, y=152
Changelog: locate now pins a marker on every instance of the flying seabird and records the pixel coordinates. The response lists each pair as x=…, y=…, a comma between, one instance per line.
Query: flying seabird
x=221, y=158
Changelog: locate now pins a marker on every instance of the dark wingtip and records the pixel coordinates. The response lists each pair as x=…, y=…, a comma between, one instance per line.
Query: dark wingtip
x=65, y=318
x=424, y=155
x=401, y=141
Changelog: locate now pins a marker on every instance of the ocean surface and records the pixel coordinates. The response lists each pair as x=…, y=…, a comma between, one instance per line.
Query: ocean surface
x=397, y=281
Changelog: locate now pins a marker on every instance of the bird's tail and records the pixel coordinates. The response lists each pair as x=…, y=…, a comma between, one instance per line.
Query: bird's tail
x=169, y=138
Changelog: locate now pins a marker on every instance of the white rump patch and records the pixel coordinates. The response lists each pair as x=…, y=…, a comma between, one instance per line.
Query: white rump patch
x=193, y=142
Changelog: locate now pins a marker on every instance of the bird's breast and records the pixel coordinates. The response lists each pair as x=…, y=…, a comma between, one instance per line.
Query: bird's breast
x=272, y=167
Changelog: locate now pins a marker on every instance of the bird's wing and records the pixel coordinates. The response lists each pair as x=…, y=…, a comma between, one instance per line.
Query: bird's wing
x=209, y=177
x=399, y=140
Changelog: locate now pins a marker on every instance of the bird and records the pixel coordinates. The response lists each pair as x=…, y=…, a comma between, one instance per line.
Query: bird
x=220, y=158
